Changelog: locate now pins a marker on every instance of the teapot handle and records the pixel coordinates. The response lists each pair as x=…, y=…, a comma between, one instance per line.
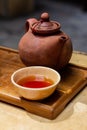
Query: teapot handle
x=29, y=23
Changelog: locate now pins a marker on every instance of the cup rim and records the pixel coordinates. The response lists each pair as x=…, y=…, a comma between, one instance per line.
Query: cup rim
x=35, y=89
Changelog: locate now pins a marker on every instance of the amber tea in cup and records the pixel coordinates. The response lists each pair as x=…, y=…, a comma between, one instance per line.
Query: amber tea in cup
x=35, y=81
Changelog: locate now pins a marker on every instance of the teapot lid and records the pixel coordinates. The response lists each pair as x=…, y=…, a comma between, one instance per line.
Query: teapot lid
x=44, y=26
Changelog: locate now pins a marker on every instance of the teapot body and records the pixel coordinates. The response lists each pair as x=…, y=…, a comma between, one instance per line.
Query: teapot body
x=45, y=50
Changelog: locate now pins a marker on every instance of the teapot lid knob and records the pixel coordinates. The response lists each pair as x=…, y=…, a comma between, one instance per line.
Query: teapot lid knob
x=45, y=16
x=44, y=26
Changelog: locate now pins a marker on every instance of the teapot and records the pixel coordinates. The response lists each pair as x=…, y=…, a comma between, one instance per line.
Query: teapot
x=44, y=44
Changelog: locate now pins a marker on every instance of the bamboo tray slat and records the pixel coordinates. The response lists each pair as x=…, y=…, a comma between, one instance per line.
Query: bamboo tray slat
x=74, y=79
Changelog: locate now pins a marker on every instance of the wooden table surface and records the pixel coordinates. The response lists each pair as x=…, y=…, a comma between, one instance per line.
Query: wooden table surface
x=75, y=112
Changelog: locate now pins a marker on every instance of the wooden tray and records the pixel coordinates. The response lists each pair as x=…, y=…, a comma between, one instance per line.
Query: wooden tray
x=74, y=79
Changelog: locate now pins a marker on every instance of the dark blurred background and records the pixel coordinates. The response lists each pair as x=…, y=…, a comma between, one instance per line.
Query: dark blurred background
x=71, y=14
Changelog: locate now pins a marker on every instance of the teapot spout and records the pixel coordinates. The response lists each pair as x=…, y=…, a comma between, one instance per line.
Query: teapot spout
x=63, y=38
x=29, y=23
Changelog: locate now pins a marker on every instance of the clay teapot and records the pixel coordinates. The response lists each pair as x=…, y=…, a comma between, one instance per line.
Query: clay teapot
x=44, y=44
